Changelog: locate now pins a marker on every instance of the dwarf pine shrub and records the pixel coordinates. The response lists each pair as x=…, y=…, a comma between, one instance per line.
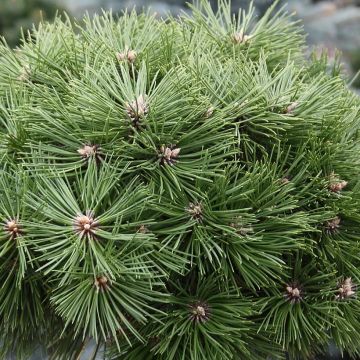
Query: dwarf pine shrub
x=185, y=188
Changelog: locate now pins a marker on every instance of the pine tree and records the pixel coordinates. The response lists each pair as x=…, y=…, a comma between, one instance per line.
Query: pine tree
x=177, y=189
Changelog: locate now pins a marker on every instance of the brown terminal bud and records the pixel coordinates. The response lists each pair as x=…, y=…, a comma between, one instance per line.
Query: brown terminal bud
x=285, y=180
x=137, y=110
x=332, y=226
x=86, y=225
x=345, y=290
x=143, y=229
x=169, y=154
x=102, y=283
x=121, y=56
x=196, y=211
x=240, y=38
x=13, y=228
x=290, y=109
x=131, y=56
x=90, y=151
x=127, y=55
x=293, y=293
x=199, y=312
x=336, y=185
x=209, y=112
x=241, y=229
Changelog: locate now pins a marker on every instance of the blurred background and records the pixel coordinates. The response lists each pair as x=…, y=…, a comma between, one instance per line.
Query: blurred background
x=331, y=24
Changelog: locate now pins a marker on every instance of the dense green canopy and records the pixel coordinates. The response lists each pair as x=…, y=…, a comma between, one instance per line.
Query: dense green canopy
x=185, y=188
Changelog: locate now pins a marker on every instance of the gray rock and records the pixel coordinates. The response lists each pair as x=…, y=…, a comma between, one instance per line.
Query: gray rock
x=162, y=7
x=347, y=24
x=329, y=22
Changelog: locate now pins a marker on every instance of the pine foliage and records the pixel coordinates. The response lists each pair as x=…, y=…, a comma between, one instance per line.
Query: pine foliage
x=177, y=189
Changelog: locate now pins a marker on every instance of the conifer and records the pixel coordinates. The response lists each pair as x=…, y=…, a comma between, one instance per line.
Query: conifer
x=177, y=189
